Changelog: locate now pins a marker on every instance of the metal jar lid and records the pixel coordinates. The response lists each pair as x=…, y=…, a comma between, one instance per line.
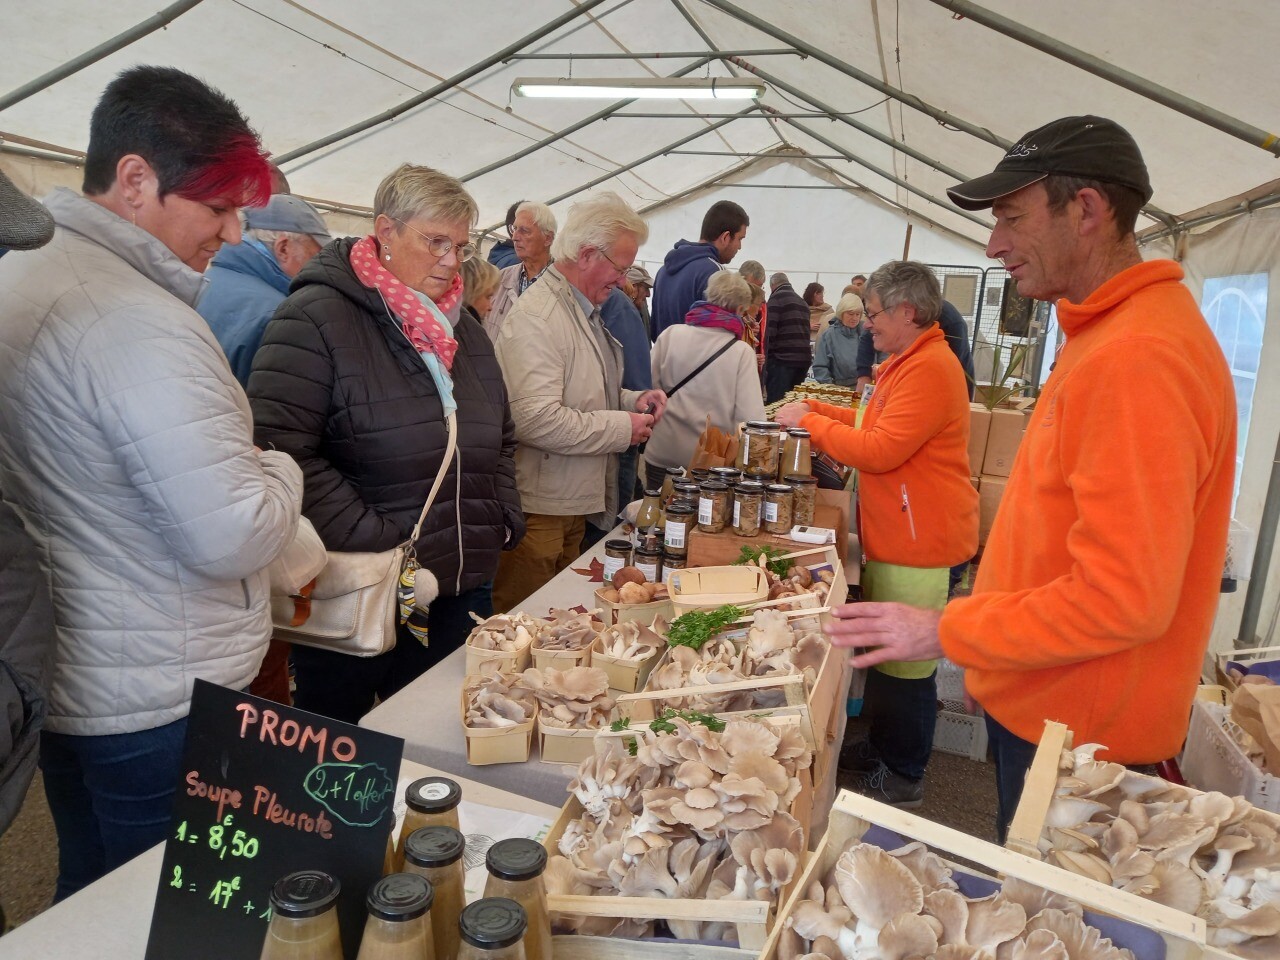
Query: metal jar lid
x=399, y=897
x=726, y=473
x=624, y=545
x=796, y=479
x=436, y=846
x=516, y=858
x=800, y=433
x=778, y=488
x=682, y=507
x=750, y=488
x=306, y=893
x=433, y=795
x=493, y=923
x=763, y=425
x=715, y=486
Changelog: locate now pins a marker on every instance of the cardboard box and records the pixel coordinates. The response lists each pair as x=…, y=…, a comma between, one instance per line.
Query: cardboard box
x=990, y=493
x=979, y=428
x=1003, y=440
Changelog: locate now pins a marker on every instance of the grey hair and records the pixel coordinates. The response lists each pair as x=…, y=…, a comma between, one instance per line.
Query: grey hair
x=908, y=281
x=597, y=222
x=411, y=191
x=777, y=279
x=268, y=237
x=753, y=270
x=543, y=218
x=729, y=290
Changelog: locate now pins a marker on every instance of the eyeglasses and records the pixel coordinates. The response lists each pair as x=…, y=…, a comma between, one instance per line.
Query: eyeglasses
x=440, y=246
x=872, y=314
x=622, y=271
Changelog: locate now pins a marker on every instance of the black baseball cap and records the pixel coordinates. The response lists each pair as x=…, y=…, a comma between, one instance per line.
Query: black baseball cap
x=1094, y=148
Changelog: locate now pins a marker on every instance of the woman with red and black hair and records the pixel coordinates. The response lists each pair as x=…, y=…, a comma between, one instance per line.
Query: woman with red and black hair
x=126, y=445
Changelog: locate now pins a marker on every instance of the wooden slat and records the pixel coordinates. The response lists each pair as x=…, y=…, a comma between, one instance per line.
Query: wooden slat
x=657, y=908
x=568, y=947
x=1037, y=793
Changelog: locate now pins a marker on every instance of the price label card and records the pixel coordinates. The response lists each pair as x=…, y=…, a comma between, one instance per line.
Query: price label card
x=267, y=790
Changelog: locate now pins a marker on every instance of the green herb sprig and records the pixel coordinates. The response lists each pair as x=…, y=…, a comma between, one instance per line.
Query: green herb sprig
x=750, y=555
x=695, y=628
x=663, y=723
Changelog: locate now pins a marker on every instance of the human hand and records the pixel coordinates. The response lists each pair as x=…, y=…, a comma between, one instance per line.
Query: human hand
x=641, y=427
x=790, y=415
x=655, y=399
x=891, y=631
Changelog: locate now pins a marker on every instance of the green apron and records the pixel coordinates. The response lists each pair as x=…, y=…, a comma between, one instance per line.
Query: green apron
x=918, y=586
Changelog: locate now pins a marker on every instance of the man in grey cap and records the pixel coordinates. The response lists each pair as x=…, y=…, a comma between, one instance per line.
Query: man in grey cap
x=247, y=281
x=638, y=286
x=1098, y=586
x=26, y=612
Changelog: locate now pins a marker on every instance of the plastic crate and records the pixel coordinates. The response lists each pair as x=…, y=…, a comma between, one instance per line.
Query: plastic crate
x=960, y=733
x=950, y=681
x=1212, y=760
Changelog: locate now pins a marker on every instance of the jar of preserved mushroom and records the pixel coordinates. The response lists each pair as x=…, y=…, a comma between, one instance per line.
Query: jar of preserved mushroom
x=680, y=519
x=761, y=447
x=748, y=501
x=804, y=499
x=797, y=458
x=777, y=508
x=713, y=506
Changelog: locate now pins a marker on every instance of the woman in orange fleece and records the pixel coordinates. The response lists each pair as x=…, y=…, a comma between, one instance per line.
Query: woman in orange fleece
x=917, y=509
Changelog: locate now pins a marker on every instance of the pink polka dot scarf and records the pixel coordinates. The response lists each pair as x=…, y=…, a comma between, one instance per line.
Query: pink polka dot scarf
x=424, y=331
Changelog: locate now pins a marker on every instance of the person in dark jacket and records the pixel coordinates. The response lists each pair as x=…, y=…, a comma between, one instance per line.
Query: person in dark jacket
x=787, y=351
x=26, y=610
x=682, y=279
x=247, y=280
x=503, y=253
x=953, y=328
x=621, y=317
x=355, y=378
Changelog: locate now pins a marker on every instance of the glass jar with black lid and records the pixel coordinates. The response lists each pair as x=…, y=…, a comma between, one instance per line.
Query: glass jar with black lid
x=436, y=853
x=399, y=924
x=304, y=918
x=515, y=870
x=493, y=929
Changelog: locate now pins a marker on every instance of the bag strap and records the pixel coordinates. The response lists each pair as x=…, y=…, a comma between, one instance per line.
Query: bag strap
x=702, y=366
x=451, y=424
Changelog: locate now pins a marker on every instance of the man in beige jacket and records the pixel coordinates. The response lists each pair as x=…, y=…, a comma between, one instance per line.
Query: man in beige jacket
x=564, y=378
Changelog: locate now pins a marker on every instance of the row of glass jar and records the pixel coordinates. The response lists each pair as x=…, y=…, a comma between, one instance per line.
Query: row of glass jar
x=765, y=448
x=749, y=503
x=416, y=911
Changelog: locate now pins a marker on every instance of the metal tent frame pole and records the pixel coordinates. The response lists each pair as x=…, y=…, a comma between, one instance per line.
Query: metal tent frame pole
x=1254, y=136
x=575, y=127
x=1261, y=558
x=78, y=63
x=444, y=85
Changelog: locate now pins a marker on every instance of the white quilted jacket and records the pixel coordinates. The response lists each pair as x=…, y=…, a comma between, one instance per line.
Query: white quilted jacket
x=126, y=445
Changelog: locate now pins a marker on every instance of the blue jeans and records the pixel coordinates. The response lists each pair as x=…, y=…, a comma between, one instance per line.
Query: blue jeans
x=903, y=714
x=1013, y=757
x=344, y=687
x=111, y=797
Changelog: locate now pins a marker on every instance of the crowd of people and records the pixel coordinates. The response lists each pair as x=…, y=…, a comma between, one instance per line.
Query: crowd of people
x=181, y=386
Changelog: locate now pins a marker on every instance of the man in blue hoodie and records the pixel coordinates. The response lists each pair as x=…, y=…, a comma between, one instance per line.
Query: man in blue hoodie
x=247, y=281
x=682, y=280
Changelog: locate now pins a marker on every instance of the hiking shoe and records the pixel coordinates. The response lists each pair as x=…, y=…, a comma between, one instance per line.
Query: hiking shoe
x=858, y=756
x=888, y=787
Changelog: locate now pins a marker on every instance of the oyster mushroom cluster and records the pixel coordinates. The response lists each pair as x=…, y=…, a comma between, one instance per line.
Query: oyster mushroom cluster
x=903, y=904
x=505, y=632
x=568, y=630
x=497, y=700
x=772, y=647
x=694, y=814
x=577, y=698
x=632, y=640
x=1202, y=853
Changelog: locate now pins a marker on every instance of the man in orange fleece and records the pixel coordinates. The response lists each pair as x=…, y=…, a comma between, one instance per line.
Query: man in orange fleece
x=1097, y=591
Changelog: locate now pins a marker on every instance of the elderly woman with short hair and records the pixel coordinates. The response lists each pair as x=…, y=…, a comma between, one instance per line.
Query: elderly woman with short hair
x=727, y=389
x=479, y=283
x=356, y=376
x=835, y=359
x=918, y=511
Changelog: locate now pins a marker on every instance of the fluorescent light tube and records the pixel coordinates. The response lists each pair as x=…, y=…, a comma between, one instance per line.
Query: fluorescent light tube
x=621, y=88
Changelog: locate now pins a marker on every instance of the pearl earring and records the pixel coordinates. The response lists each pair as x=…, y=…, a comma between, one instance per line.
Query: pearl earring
x=387, y=257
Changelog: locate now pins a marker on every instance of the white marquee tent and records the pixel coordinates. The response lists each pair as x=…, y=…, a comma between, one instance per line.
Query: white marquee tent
x=873, y=107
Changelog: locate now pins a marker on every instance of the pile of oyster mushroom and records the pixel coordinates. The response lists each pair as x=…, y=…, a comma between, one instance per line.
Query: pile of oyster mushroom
x=567, y=630
x=1207, y=854
x=774, y=646
x=694, y=814
x=877, y=904
x=632, y=640
x=577, y=698
x=497, y=700
x=505, y=633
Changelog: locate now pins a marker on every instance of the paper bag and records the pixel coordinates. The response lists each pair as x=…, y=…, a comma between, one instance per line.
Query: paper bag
x=715, y=449
x=1256, y=708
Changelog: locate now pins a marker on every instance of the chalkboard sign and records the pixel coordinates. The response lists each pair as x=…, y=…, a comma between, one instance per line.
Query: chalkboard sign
x=267, y=790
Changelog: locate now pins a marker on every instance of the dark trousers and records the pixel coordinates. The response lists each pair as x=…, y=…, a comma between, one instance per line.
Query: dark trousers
x=1013, y=757
x=903, y=714
x=344, y=687
x=779, y=379
x=628, y=461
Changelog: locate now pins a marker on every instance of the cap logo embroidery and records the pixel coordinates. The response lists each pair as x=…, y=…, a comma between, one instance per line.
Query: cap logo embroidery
x=1021, y=151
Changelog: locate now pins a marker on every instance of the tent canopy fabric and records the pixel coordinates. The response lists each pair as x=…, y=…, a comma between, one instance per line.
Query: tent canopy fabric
x=304, y=69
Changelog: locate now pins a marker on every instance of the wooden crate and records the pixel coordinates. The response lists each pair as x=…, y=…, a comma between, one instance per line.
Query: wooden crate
x=750, y=918
x=569, y=947
x=705, y=588
x=853, y=815
x=1250, y=655
x=717, y=549
x=488, y=745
